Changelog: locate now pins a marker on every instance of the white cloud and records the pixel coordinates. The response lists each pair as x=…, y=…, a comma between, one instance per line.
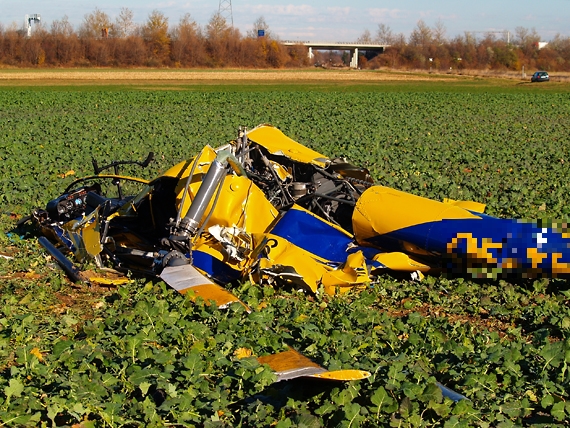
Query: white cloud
x=336, y=14
x=339, y=10
x=166, y=4
x=290, y=9
x=385, y=13
x=452, y=17
x=301, y=35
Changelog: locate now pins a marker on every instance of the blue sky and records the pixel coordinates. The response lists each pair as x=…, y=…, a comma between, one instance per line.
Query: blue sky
x=320, y=20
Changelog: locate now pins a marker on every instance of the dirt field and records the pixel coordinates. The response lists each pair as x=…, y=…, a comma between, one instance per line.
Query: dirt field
x=214, y=75
x=168, y=78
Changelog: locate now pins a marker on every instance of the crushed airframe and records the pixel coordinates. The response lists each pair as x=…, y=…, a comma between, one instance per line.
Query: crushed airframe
x=266, y=208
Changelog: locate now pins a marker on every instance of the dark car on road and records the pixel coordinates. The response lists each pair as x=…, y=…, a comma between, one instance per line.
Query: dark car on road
x=540, y=76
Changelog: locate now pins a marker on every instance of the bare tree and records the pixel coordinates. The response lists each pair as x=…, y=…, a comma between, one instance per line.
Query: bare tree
x=155, y=34
x=216, y=27
x=384, y=35
x=12, y=44
x=439, y=33
x=525, y=37
x=521, y=35
x=422, y=35
x=33, y=52
x=470, y=38
x=94, y=23
x=260, y=24
x=216, y=33
x=61, y=27
x=399, y=39
x=365, y=37
x=131, y=51
x=234, y=52
x=187, y=48
x=63, y=43
x=561, y=45
x=124, y=25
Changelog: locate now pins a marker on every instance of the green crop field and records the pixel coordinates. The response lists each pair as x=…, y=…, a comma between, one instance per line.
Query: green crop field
x=143, y=355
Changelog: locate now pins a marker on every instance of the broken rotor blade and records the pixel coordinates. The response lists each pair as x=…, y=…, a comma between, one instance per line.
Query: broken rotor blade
x=286, y=365
x=187, y=278
x=291, y=364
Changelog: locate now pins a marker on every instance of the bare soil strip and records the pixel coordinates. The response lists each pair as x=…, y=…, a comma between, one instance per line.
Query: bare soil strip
x=214, y=75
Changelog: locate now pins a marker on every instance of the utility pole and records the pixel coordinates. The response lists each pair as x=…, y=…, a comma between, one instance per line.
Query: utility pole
x=225, y=10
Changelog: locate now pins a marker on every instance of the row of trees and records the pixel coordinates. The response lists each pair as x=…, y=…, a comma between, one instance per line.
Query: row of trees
x=102, y=42
x=428, y=47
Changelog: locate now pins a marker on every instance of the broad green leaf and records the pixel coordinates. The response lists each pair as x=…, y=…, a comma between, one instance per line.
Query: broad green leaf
x=60, y=347
x=431, y=393
x=558, y=411
x=15, y=388
x=547, y=401
x=144, y=386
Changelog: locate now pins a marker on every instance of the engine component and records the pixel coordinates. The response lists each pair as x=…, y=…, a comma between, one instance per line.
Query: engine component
x=298, y=190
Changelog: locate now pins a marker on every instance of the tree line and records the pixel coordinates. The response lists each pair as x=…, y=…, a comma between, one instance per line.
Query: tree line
x=429, y=48
x=102, y=42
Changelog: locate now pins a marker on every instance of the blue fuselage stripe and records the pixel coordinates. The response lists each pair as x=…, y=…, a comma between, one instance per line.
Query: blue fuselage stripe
x=502, y=238
x=313, y=235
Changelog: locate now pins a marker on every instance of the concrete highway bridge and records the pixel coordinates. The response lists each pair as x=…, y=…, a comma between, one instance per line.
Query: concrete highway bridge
x=339, y=46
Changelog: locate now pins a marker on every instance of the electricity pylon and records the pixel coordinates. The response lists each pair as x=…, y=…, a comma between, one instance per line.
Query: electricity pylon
x=225, y=10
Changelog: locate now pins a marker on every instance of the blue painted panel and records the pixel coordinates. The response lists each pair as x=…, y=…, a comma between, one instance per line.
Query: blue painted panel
x=313, y=235
x=517, y=239
x=217, y=269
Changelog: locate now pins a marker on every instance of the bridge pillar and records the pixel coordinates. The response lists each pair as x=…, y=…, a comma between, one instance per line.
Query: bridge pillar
x=311, y=55
x=354, y=60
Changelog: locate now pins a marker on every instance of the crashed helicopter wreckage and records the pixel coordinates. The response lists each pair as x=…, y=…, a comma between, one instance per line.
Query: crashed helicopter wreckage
x=199, y=225
x=269, y=209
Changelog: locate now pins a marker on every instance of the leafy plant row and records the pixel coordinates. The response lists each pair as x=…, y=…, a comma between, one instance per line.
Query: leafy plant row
x=142, y=355
x=506, y=150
